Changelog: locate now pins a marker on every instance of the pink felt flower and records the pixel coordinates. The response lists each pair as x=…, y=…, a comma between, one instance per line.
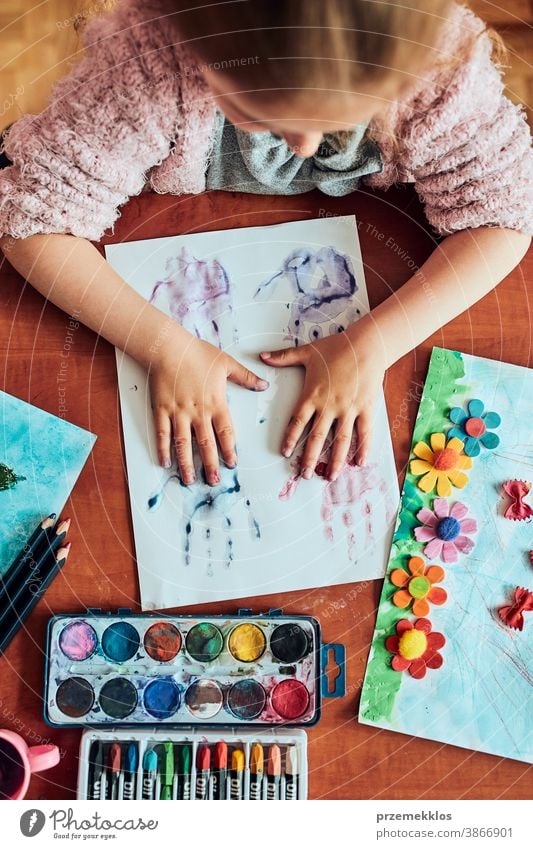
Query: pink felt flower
x=444, y=530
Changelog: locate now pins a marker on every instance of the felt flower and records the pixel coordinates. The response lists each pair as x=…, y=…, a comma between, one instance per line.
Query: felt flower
x=441, y=464
x=444, y=530
x=415, y=647
x=473, y=427
x=417, y=586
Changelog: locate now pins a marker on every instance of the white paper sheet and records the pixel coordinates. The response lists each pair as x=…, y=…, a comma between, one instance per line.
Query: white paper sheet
x=261, y=530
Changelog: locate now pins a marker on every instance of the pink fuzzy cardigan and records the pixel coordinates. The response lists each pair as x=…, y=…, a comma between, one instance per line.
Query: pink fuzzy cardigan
x=136, y=112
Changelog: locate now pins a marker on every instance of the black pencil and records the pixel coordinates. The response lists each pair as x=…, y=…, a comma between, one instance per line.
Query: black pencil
x=31, y=595
x=26, y=554
x=30, y=576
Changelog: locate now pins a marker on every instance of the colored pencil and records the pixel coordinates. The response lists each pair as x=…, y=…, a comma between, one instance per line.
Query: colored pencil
x=257, y=760
x=203, y=772
x=273, y=772
x=167, y=771
x=96, y=770
x=25, y=556
x=28, y=576
x=185, y=755
x=237, y=775
x=291, y=774
x=113, y=770
x=220, y=770
x=131, y=764
x=31, y=595
x=149, y=774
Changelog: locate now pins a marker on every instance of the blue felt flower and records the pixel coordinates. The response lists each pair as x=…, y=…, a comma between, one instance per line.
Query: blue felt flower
x=473, y=427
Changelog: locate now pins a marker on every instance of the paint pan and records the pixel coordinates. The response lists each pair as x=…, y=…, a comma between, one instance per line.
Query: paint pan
x=162, y=641
x=184, y=670
x=204, y=698
x=204, y=642
x=247, y=642
x=78, y=640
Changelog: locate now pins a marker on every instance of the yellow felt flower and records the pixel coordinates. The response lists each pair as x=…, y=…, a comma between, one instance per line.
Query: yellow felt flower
x=440, y=464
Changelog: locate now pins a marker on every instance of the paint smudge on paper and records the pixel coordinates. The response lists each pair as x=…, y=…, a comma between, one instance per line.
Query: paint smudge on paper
x=197, y=294
x=341, y=495
x=323, y=285
x=208, y=509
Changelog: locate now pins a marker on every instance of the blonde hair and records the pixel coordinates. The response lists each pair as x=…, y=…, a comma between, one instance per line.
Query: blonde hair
x=299, y=44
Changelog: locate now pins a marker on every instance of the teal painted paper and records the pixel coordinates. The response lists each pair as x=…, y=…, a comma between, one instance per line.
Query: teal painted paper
x=45, y=455
x=481, y=698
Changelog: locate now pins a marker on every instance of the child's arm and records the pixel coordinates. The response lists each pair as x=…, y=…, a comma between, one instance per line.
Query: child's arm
x=187, y=376
x=344, y=372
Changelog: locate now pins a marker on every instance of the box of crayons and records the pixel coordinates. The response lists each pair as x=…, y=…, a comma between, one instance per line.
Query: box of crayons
x=187, y=671
x=169, y=764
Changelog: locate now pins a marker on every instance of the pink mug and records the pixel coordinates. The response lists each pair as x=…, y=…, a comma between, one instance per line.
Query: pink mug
x=18, y=761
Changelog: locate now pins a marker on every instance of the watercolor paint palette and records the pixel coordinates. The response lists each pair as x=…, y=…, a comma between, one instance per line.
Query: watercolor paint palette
x=203, y=764
x=141, y=669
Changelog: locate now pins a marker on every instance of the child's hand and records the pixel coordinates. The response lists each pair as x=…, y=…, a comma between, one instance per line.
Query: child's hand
x=342, y=380
x=188, y=390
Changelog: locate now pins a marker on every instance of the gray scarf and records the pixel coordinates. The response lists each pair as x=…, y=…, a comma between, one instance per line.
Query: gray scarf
x=261, y=163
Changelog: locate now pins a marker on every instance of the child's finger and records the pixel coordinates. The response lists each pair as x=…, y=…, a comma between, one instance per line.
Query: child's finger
x=340, y=446
x=244, y=377
x=205, y=439
x=226, y=437
x=365, y=421
x=286, y=356
x=301, y=417
x=315, y=443
x=163, y=432
x=183, y=449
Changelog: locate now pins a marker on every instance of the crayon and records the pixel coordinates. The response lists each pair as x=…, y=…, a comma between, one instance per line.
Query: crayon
x=203, y=763
x=257, y=760
x=273, y=772
x=113, y=767
x=32, y=593
x=96, y=770
x=237, y=775
x=291, y=774
x=131, y=763
x=220, y=770
x=185, y=756
x=167, y=772
x=149, y=774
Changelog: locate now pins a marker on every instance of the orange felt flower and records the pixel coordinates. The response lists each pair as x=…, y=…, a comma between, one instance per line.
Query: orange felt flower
x=417, y=586
x=440, y=464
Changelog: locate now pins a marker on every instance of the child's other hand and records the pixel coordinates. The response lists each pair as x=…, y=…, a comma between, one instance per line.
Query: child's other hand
x=342, y=380
x=188, y=391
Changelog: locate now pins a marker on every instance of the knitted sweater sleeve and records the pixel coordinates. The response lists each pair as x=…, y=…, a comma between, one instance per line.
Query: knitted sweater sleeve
x=465, y=146
x=110, y=121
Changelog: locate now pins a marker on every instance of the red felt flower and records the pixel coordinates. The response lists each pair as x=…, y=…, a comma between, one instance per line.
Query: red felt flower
x=513, y=614
x=517, y=491
x=415, y=647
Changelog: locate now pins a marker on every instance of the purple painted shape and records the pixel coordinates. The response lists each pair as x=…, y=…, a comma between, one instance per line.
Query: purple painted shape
x=197, y=294
x=323, y=284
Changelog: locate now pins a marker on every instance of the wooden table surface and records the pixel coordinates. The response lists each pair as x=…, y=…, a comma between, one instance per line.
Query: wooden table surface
x=346, y=760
